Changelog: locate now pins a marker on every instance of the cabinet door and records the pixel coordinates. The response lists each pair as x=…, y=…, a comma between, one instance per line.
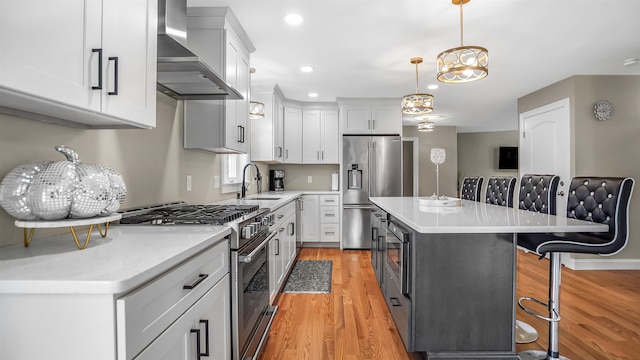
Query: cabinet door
x=46, y=50
x=309, y=225
x=292, y=135
x=278, y=129
x=129, y=59
x=330, y=137
x=357, y=119
x=242, y=106
x=386, y=119
x=232, y=129
x=291, y=241
x=179, y=342
x=273, y=270
x=213, y=313
x=311, y=137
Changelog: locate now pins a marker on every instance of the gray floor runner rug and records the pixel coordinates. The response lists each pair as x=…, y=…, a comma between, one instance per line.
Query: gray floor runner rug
x=310, y=277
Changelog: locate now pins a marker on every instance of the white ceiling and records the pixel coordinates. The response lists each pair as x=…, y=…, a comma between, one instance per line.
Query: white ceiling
x=362, y=48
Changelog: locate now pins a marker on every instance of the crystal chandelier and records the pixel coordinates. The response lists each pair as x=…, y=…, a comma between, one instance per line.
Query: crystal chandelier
x=464, y=63
x=426, y=126
x=417, y=104
x=256, y=110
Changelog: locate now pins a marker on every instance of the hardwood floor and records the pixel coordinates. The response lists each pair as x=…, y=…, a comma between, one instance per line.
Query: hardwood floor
x=600, y=313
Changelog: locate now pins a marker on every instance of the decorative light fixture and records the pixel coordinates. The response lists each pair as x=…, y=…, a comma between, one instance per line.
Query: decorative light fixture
x=438, y=156
x=465, y=63
x=426, y=126
x=417, y=104
x=256, y=110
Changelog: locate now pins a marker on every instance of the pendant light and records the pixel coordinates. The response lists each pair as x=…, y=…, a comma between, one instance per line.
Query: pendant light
x=465, y=63
x=426, y=126
x=256, y=109
x=417, y=104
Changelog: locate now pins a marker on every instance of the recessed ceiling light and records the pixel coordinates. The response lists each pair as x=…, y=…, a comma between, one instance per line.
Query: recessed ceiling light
x=631, y=61
x=313, y=94
x=293, y=19
x=306, y=68
x=432, y=87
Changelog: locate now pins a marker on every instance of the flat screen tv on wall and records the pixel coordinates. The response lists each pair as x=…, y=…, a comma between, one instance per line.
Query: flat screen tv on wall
x=508, y=159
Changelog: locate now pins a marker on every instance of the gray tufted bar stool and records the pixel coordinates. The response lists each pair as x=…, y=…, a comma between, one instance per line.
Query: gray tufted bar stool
x=500, y=191
x=595, y=199
x=471, y=188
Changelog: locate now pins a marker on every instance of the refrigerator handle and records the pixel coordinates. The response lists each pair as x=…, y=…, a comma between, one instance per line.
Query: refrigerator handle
x=369, y=168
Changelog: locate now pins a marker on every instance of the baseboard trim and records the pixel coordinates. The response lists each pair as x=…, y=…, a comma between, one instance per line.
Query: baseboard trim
x=596, y=264
x=601, y=264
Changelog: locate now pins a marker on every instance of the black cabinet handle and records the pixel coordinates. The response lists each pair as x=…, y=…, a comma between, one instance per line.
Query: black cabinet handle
x=374, y=233
x=206, y=335
x=115, y=75
x=277, y=246
x=239, y=133
x=292, y=231
x=99, y=51
x=395, y=302
x=201, y=278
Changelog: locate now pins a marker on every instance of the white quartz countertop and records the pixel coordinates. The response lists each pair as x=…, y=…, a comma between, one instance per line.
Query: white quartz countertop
x=478, y=217
x=126, y=258
x=275, y=199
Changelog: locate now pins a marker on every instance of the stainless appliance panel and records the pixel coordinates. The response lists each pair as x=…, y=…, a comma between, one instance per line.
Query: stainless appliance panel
x=386, y=166
x=355, y=162
x=356, y=227
x=397, y=257
x=372, y=166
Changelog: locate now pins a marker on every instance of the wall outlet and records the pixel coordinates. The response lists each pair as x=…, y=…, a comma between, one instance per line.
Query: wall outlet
x=309, y=179
x=216, y=181
x=188, y=182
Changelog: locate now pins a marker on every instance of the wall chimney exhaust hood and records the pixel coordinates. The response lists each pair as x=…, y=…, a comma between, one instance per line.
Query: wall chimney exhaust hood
x=182, y=74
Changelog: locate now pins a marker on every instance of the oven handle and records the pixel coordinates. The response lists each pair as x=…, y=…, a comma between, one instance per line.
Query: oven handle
x=249, y=258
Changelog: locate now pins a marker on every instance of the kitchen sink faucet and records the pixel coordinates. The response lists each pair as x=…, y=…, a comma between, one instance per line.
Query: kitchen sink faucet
x=258, y=178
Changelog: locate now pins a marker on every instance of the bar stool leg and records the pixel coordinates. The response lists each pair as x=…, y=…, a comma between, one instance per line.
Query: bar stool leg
x=553, y=352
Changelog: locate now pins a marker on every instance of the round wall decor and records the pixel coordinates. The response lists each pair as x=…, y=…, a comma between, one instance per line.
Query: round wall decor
x=603, y=110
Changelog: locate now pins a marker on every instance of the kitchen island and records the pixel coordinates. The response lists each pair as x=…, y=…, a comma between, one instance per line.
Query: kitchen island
x=450, y=283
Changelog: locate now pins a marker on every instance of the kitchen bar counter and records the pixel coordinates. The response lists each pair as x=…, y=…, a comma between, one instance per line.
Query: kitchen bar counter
x=451, y=284
x=126, y=258
x=478, y=217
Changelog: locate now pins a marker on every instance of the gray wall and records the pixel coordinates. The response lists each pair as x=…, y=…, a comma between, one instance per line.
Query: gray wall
x=478, y=154
x=152, y=162
x=442, y=137
x=601, y=148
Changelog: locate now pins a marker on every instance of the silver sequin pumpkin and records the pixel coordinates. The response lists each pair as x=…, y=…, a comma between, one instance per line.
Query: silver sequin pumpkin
x=54, y=190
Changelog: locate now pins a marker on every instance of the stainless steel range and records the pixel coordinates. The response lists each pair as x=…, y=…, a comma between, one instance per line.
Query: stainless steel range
x=251, y=315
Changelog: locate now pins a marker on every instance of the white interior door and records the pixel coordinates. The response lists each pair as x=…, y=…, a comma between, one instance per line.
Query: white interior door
x=545, y=145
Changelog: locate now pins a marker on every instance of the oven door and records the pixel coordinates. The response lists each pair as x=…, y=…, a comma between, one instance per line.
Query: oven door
x=250, y=295
x=397, y=257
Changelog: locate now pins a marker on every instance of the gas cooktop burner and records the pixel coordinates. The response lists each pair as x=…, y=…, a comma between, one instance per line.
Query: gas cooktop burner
x=188, y=214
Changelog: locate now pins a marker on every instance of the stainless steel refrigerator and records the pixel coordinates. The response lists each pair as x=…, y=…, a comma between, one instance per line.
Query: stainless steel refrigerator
x=372, y=166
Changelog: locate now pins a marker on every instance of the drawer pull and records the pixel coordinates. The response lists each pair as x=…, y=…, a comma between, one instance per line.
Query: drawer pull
x=280, y=216
x=395, y=302
x=200, y=279
x=206, y=336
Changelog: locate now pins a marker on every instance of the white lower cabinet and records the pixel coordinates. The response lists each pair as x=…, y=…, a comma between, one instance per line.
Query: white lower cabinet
x=282, y=248
x=152, y=321
x=320, y=218
x=201, y=332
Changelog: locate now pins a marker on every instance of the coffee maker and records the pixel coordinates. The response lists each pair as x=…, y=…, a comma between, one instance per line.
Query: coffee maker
x=276, y=180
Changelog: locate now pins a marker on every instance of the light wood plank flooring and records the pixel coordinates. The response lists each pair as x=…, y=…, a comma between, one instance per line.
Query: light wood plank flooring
x=600, y=310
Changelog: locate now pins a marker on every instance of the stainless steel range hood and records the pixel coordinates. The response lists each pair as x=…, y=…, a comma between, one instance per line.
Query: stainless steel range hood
x=181, y=73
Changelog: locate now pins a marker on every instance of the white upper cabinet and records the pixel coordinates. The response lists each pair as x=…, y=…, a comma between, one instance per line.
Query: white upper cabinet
x=320, y=137
x=80, y=63
x=267, y=134
x=292, y=135
x=220, y=126
x=371, y=116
